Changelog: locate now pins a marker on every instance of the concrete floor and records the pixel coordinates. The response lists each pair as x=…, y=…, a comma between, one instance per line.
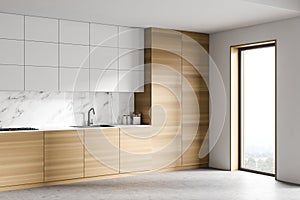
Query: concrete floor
x=189, y=184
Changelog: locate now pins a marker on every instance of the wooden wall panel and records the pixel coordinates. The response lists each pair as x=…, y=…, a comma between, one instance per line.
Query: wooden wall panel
x=21, y=158
x=195, y=98
x=179, y=64
x=142, y=101
x=166, y=40
x=166, y=94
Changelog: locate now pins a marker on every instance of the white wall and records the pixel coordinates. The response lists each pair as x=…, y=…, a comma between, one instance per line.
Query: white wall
x=287, y=34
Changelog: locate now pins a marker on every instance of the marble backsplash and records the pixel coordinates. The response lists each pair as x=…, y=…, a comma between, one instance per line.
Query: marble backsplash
x=53, y=109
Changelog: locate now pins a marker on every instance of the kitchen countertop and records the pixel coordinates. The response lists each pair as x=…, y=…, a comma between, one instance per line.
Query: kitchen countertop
x=67, y=128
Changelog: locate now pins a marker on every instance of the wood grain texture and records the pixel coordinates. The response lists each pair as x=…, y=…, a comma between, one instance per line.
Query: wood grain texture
x=179, y=94
x=234, y=109
x=195, y=51
x=166, y=97
x=143, y=101
x=135, y=150
x=63, y=155
x=195, y=98
x=21, y=158
x=101, y=152
x=35, y=185
x=166, y=40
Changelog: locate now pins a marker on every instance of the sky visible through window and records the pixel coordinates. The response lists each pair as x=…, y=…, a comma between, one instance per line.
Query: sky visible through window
x=258, y=109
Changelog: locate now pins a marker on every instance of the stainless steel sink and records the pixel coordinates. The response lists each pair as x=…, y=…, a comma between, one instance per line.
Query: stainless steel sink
x=93, y=126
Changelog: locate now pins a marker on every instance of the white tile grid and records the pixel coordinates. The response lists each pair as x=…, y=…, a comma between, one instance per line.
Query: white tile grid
x=42, y=50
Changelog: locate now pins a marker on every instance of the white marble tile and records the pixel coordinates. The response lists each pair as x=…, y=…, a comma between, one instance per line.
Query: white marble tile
x=123, y=104
x=46, y=109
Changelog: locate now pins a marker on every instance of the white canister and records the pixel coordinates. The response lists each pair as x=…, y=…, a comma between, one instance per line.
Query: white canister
x=129, y=121
x=124, y=119
x=136, y=120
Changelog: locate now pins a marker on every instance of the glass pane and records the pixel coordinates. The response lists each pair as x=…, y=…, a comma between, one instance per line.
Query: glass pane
x=258, y=109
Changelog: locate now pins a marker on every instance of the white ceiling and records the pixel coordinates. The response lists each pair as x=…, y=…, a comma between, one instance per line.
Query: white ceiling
x=195, y=15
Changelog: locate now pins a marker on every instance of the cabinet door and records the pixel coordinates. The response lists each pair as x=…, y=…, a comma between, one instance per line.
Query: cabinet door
x=21, y=158
x=41, y=29
x=195, y=52
x=63, y=155
x=104, y=35
x=131, y=81
x=101, y=151
x=195, y=99
x=166, y=73
x=41, y=54
x=74, y=32
x=12, y=26
x=103, y=80
x=131, y=75
x=166, y=144
x=104, y=58
x=72, y=79
x=11, y=77
x=132, y=38
x=131, y=59
x=74, y=56
x=195, y=103
x=41, y=78
x=11, y=52
x=135, y=150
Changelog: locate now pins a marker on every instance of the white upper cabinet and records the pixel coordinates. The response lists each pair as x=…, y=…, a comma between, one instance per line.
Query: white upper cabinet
x=66, y=55
x=41, y=54
x=132, y=59
x=131, y=81
x=41, y=29
x=41, y=78
x=11, y=77
x=104, y=35
x=103, y=80
x=11, y=26
x=74, y=80
x=104, y=58
x=74, y=32
x=132, y=38
x=11, y=52
x=74, y=56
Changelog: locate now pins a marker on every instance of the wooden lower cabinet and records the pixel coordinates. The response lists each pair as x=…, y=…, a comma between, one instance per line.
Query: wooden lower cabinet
x=166, y=148
x=64, y=155
x=53, y=157
x=149, y=149
x=101, y=152
x=21, y=158
x=135, y=150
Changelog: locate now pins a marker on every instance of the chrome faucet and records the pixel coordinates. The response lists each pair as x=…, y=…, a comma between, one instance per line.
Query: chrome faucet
x=89, y=122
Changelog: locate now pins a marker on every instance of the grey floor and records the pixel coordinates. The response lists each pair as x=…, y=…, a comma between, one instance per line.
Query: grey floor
x=189, y=184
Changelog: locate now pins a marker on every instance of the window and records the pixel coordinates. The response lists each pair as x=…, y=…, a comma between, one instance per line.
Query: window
x=257, y=108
